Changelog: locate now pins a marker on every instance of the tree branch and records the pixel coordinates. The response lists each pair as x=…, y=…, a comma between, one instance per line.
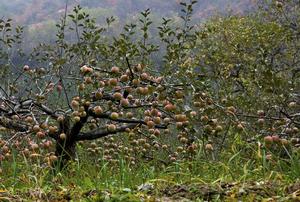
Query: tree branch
x=129, y=67
x=134, y=121
x=103, y=132
x=47, y=110
x=14, y=125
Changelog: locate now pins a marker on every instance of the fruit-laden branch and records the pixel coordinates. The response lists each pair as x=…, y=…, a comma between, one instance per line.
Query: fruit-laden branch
x=23, y=108
x=134, y=121
x=103, y=132
x=14, y=125
x=110, y=97
x=3, y=110
x=47, y=110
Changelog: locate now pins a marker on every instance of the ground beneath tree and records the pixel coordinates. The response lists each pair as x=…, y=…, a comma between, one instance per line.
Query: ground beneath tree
x=165, y=191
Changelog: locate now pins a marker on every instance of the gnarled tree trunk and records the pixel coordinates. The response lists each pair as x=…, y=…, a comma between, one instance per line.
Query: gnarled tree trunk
x=66, y=145
x=65, y=151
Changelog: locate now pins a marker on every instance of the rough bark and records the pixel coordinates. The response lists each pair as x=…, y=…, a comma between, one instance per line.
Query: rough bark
x=65, y=148
x=66, y=151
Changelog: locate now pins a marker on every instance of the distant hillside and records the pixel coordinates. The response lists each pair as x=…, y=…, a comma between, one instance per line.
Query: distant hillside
x=29, y=12
x=39, y=17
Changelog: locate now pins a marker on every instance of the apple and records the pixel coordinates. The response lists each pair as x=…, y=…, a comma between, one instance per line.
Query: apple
x=63, y=136
x=209, y=147
x=115, y=70
x=98, y=110
x=26, y=68
x=268, y=139
x=114, y=115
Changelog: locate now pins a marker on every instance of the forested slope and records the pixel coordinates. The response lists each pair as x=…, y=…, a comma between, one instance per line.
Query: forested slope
x=36, y=11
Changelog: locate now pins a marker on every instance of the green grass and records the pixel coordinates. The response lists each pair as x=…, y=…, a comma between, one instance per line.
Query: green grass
x=233, y=176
